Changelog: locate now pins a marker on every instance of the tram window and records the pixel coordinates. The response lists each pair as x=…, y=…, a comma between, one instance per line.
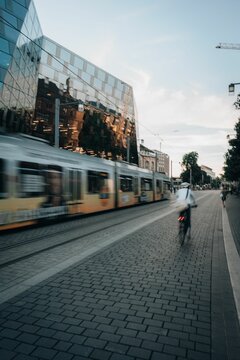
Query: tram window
x=126, y=183
x=3, y=178
x=166, y=186
x=31, y=180
x=158, y=186
x=74, y=185
x=146, y=184
x=96, y=181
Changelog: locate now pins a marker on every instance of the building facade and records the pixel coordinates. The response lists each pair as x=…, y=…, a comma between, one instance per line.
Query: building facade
x=97, y=114
x=208, y=171
x=154, y=160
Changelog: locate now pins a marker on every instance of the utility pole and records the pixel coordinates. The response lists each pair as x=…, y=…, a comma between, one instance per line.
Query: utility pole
x=190, y=176
x=56, y=123
x=128, y=149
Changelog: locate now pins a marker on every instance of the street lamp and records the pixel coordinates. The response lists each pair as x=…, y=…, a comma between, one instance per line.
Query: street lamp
x=190, y=177
x=231, y=87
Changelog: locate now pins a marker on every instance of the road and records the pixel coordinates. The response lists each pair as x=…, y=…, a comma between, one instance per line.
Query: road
x=120, y=287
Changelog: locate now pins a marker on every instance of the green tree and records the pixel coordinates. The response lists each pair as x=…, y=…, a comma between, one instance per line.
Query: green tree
x=232, y=157
x=191, y=168
x=215, y=183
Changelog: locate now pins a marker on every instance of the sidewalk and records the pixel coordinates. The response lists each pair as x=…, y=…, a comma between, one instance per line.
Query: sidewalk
x=143, y=297
x=233, y=211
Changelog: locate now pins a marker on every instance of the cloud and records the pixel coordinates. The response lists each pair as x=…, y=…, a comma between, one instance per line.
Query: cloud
x=183, y=121
x=101, y=54
x=160, y=40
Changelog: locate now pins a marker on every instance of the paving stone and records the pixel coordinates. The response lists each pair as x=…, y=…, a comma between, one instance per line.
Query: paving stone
x=44, y=353
x=63, y=356
x=8, y=344
x=144, y=297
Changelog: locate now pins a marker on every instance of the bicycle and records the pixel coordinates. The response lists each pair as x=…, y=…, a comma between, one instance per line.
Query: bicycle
x=184, y=223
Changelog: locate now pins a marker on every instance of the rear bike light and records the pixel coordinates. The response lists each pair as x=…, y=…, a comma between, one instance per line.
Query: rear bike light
x=181, y=218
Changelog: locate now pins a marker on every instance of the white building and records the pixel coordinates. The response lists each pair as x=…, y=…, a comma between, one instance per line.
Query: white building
x=208, y=171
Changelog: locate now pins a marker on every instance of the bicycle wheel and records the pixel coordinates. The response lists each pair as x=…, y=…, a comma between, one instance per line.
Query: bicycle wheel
x=182, y=233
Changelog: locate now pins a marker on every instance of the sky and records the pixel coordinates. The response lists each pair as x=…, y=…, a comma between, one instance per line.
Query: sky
x=166, y=50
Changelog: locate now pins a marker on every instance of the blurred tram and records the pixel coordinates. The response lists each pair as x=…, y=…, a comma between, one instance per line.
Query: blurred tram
x=39, y=182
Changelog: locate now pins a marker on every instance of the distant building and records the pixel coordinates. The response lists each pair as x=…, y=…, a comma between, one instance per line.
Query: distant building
x=154, y=160
x=176, y=182
x=163, y=162
x=208, y=171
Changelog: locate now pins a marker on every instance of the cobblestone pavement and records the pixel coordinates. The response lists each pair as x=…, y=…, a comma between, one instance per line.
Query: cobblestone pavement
x=143, y=297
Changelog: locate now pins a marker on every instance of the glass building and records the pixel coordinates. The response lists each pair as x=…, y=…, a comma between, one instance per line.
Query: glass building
x=96, y=114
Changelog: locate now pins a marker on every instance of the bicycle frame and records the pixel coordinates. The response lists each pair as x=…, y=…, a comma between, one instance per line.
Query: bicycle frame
x=183, y=225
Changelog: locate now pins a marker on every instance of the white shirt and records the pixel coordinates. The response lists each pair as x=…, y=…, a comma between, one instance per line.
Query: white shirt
x=185, y=195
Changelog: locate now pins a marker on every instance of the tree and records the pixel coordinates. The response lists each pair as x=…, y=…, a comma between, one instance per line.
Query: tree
x=191, y=168
x=232, y=157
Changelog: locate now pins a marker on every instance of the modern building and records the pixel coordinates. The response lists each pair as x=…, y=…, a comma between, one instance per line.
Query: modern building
x=96, y=113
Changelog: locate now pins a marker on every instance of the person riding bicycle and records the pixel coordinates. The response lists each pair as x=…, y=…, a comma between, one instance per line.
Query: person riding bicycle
x=185, y=197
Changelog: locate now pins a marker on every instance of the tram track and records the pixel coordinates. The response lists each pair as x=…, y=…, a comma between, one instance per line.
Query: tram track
x=127, y=215
x=38, y=239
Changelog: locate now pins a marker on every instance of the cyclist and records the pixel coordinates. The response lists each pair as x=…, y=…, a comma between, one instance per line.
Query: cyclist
x=185, y=196
x=223, y=195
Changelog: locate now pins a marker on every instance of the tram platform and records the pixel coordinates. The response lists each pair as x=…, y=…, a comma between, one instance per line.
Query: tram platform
x=141, y=297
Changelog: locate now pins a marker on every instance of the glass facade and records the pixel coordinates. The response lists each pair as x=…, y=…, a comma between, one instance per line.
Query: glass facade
x=20, y=41
x=35, y=70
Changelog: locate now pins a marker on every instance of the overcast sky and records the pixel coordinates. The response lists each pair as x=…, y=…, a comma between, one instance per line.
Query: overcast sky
x=166, y=50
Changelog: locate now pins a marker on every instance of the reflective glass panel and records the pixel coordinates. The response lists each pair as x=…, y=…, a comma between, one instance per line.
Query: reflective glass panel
x=10, y=33
x=4, y=60
x=47, y=72
x=97, y=84
x=90, y=69
x=65, y=55
x=18, y=9
x=101, y=75
x=2, y=74
x=108, y=89
x=4, y=45
x=22, y=2
x=86, y=77
x=56, y=65
x=50, y=47
x=117, y=93
x=78, y=63
x=111, y=80
x=119, y=85
x=9, y=18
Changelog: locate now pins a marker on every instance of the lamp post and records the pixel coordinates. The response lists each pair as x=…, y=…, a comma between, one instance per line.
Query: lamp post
x=128, y=149
x=231, y=87
x=190, y=180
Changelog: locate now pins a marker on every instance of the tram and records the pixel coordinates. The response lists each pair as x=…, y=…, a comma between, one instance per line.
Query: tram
x=39, y=182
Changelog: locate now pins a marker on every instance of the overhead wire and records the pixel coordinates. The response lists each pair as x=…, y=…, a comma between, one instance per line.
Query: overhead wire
x=70, y=70
x=59, y=61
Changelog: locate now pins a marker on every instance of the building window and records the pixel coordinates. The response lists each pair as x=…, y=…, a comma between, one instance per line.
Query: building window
x=3, y=180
